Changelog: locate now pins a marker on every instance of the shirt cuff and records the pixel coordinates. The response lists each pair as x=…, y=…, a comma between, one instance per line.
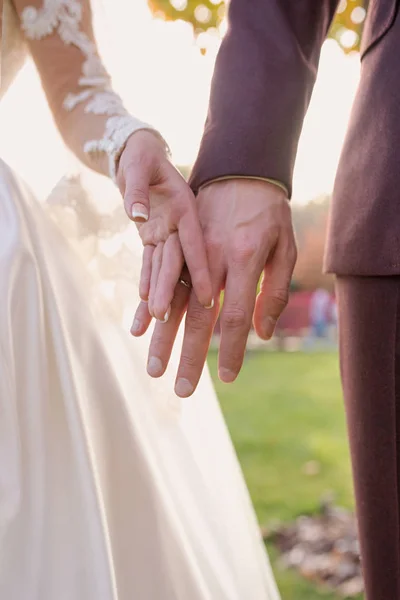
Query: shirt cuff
x=279, y=184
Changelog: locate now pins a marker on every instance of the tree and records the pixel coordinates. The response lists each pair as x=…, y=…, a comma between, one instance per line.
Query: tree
x=207, y=14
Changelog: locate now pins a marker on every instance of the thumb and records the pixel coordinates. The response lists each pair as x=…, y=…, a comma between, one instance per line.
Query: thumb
x=137, y=190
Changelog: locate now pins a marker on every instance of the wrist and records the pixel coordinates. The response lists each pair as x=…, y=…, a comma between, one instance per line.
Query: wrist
x=141, y=142
x=273, y=182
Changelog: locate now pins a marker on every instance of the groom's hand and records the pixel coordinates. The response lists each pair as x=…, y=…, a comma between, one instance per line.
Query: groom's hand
x=248, y=231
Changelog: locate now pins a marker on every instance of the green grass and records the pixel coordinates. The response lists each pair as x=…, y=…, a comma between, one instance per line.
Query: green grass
x=284, y=411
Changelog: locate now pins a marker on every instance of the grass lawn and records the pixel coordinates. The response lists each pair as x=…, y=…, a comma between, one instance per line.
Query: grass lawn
x=284, y=411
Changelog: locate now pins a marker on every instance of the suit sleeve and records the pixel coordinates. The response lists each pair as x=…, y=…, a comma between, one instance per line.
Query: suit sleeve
x=89, y=114
x=262, y=85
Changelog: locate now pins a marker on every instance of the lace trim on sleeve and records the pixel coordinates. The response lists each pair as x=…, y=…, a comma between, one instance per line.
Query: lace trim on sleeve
x=64, y=17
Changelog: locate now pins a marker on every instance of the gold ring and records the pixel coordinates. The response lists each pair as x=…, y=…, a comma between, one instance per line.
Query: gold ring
x=186, y=283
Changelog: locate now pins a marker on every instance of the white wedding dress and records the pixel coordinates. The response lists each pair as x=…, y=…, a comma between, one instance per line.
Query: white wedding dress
x=111, y=488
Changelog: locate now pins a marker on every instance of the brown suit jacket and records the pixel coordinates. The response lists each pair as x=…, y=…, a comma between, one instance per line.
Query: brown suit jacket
x=263, y=80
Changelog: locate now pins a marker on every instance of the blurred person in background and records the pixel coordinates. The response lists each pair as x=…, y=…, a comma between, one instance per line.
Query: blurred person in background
x=319, y=313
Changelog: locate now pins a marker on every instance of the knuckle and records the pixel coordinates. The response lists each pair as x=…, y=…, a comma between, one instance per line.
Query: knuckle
x=243, y=251
x=188, y=361
x=234, y=317
x=135, y=193
x=213, y=245
x=197, y=320
x=279, y=299
x=137, y=160
x=147, y=235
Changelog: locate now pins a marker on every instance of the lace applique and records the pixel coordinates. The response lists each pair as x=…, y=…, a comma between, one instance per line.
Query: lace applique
x=118, y=130
x=64, y=17
x=73, y=100
x=105, y=103
x=105, y=242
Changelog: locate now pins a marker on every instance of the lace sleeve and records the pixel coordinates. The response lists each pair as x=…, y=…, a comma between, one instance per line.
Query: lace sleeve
x=89, y=114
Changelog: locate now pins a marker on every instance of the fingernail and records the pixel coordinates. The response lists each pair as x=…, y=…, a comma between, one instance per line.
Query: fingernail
x=135, y=326
x=183, y=388
x=211, y=305
x=226, y=375
x=166, y=316
x=154, y=366
x=139, y=213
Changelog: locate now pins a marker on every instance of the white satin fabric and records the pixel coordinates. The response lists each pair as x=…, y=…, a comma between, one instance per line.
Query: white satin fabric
x=110, y=488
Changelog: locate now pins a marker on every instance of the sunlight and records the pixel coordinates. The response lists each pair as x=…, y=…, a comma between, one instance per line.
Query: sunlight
x=163, y=77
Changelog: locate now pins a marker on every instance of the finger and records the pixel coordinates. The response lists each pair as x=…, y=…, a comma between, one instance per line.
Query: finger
x=155, y=270
x=145, y=275
x=136, y=196
x=164, y=334
x=157, y=228
x=236, y=316
x=171, y=268
x=274, y=292
x=142, y=320
x=199, y=327
x=192, y=241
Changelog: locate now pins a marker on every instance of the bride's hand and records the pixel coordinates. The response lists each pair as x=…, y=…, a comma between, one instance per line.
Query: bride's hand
x=161, y=270
x=160, y=202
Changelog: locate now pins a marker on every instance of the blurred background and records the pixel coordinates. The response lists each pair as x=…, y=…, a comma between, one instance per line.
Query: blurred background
x=285, y=412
